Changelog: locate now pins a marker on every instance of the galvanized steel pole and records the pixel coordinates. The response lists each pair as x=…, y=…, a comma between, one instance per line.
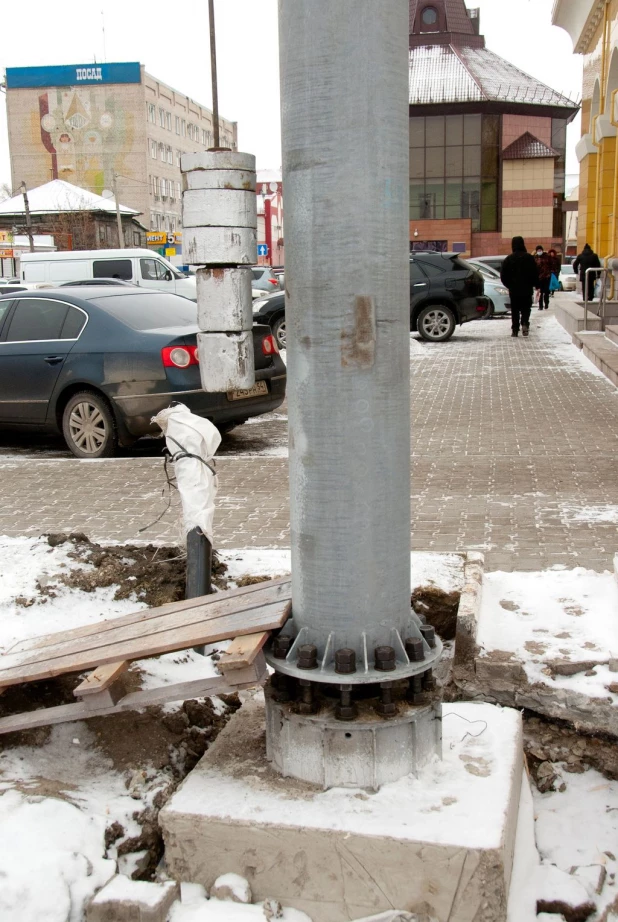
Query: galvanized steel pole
x=344, y=98
x=344, y=84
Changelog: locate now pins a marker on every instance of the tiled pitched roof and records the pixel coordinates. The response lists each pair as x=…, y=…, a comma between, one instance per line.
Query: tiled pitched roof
x=445, y=74
x=527, y=147
x=457, y=19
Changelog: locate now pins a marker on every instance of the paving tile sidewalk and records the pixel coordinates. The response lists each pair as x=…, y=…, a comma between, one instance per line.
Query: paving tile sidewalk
x=513, y=452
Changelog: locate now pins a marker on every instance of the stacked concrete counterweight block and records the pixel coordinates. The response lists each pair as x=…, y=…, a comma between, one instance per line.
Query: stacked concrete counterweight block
x=220, y=235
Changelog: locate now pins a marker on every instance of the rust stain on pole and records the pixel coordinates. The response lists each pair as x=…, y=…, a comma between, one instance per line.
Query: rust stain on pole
x=358, y=345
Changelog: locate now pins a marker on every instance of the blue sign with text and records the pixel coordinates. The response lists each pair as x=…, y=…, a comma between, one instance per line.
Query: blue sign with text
x=72, y=75
x=262, y=249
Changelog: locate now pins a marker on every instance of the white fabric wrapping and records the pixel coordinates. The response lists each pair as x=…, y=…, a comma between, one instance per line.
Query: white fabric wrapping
x=197, y=485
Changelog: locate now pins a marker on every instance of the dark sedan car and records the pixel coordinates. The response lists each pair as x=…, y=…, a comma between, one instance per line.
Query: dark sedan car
x=97, y=363
x=444, y=291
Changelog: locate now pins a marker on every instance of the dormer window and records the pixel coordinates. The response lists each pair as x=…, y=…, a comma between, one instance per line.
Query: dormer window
x=429, y=16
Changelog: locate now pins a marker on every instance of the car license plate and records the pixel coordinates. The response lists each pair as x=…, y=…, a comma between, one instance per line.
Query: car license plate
x=258, y=389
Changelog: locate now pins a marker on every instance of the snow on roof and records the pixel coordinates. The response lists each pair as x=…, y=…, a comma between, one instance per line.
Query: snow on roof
x=445, y=74
x=58, y=196
x=527, y=147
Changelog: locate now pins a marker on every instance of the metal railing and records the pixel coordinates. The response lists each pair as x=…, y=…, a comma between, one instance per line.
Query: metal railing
x=604, y=272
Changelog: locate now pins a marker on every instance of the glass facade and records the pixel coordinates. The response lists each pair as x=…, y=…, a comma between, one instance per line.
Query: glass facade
x=454, y=168
x=558, y=142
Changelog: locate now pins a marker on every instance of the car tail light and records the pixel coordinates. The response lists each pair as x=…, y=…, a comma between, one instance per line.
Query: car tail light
x=481, y=307
x=179, y=356
x=273, y=281
x=269, y=346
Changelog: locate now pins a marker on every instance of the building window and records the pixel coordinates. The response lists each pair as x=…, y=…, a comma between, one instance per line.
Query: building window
x=178, y=155
x=454, y=163
x=183, y=128
x=173, y=223
x=429, y=16
x=178, y=191
x=162, y=151
x=177, y=124
x=136, y=240
x=168, y=121
x=558, y=142
x=170, y=155
x=155, y=186
x=101, y=233
x=162, y=118
x=152, y=113
x=153, y=150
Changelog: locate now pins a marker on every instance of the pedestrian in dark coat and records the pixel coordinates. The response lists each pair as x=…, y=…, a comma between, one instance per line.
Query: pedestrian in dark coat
x=555, y=265
x=544, y=266
x=587, y=259
x=520, y=275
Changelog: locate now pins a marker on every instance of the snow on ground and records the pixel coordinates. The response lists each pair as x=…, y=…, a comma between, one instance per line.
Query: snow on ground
x=593, y=515
x=52, y=850
x=554, y=616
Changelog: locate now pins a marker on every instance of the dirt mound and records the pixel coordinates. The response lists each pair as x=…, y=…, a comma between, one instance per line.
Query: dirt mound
x=154, y=574
x=439, y=607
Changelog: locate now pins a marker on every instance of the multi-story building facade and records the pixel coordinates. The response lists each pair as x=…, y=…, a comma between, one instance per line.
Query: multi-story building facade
x=107, y=127
x=487, y=141
x=593, y=27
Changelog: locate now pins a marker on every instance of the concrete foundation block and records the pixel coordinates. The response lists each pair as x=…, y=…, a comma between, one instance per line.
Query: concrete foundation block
x=224, y=300
x=126, y=900
x=440, y=845
x=218, y=160
x=220, y=179
x=469, y=607
x=226, y=361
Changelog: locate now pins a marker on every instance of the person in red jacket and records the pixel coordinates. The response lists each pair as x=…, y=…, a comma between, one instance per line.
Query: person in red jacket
x=543, y=264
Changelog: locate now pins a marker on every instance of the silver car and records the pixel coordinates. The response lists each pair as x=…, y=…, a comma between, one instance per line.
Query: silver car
x=494, y=289
x=264, y=279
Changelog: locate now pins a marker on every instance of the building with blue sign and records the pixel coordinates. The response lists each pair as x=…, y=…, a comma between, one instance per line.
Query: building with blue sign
x=107, y=126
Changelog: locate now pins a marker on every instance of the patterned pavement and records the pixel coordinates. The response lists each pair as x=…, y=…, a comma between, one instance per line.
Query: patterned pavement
x=513, y=453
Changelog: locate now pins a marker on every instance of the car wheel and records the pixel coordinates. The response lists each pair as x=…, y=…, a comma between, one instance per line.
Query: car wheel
x=436, y=323
x=279, y=332
x=88, y=426
x=491, y=310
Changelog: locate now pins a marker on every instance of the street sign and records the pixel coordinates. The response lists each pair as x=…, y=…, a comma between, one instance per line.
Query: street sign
x=262, y=249
x=6, y=237
x=156, y=238
x=170, y=251
x=6, y=254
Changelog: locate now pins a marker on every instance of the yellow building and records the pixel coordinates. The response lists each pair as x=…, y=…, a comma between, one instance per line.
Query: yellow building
x=593, y=27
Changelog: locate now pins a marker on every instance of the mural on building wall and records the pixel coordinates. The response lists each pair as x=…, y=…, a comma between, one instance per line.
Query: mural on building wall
x=86, y=135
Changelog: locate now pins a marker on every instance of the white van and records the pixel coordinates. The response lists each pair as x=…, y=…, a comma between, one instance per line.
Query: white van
x=142, y=267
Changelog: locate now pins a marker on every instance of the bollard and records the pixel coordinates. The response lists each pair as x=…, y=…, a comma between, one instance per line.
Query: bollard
x=199, y=569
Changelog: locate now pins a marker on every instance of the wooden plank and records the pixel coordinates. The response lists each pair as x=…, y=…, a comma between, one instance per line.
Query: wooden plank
x=268, y=618
x=197, y=688
x=147, y=633
x=94, y=636
x=229, y=601
x=100, y=679
x=242, y=652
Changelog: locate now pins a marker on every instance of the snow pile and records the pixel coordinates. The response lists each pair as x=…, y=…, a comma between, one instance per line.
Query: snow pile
x=50, y=859
x=594, y=515
x=196, y=907
x=552, y=618
x=25, y=613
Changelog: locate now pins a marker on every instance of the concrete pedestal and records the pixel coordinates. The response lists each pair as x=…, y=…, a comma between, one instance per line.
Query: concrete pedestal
x=440, y=843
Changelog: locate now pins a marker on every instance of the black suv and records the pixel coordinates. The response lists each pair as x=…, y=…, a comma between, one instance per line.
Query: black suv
x=444, y=291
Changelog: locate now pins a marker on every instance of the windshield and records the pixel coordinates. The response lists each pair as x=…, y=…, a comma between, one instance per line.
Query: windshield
x=175, y=273
x=567, y=270
x=152, y=311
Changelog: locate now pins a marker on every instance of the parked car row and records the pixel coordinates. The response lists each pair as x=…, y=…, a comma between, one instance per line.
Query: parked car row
x=96, y=363
x=445, y=291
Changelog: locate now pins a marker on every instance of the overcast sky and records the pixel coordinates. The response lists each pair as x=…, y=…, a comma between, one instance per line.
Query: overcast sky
x=171, y=40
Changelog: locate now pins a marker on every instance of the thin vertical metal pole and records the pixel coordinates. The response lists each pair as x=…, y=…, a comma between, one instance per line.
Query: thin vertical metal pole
x=118, y=215
x=213, y=72
x=199, y=568
x=24, y=192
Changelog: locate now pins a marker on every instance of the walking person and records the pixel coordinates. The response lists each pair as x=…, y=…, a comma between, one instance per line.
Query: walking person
x=555, y=266
x=521, y=276
x=544, y=264
x=587, y=259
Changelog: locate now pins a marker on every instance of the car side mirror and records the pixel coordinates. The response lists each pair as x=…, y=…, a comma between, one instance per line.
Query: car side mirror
x=168, y=275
